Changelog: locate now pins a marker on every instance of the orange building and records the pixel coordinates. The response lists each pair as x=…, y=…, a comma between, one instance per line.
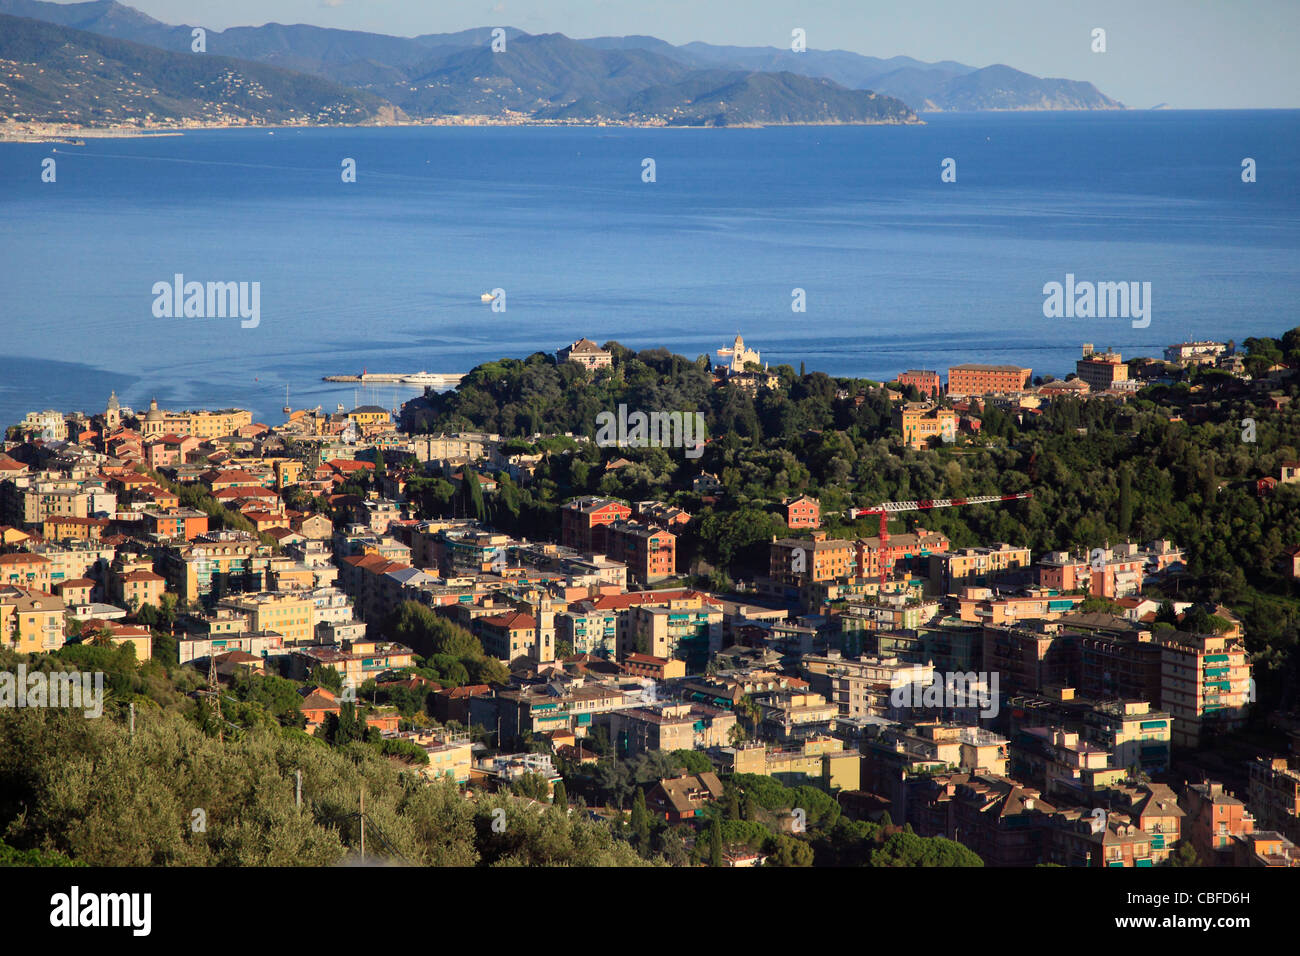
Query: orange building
x=925, y=381
x=986, y=379
x=802, y=512
x=583, y=522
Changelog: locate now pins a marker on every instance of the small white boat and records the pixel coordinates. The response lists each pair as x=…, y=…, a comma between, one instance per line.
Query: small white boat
x=486, y=297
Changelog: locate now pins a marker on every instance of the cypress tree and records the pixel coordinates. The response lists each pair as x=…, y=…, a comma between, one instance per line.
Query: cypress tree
x=640, y=823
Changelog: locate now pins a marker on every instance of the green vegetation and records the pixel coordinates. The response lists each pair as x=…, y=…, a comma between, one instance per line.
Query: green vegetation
x=453, y=656
x=84, y=790
x=1099, y=471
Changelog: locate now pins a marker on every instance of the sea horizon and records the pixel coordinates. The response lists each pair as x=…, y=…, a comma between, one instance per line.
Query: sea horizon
x=899, y=269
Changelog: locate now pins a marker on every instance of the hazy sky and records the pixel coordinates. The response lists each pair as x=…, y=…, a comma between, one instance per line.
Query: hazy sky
x=1187, y=53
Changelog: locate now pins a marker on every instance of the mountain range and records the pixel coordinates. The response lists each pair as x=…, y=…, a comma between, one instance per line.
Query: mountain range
x=548, y=76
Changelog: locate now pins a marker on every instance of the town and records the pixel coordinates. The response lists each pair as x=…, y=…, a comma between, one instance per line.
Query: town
x=719, y=650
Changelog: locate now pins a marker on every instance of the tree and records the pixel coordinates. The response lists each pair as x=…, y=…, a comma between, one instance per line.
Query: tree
x=640, y=824
x=715, y=842
x=1184, y=855
x=326, y=676
x=731, y=802
x=1125, y=518
x=531, y=785
x=559, y=795
x=345, y=727
x=474, y=494
x=1166, y=613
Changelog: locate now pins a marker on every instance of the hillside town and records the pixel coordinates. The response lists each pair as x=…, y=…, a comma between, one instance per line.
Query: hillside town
x=1033, y=706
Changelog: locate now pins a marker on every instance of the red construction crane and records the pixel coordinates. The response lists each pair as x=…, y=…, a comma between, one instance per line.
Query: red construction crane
x=926, y=504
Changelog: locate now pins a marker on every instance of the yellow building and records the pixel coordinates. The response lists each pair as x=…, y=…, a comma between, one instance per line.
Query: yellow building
x=952, y=569
x=818, y=758
x=194, y=569
x=288, y=471
x=201, y=424
x=30, y=622
x=919, y=422
x=367, y=415
x=806, y=560
x=285, y=613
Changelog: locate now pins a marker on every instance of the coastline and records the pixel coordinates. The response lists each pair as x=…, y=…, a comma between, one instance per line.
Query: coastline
x=67, y=133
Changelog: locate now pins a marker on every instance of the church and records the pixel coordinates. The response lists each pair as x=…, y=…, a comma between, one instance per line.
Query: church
x=739, y=355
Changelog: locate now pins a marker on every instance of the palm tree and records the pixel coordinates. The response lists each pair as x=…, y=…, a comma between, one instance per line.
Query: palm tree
x=750, y=710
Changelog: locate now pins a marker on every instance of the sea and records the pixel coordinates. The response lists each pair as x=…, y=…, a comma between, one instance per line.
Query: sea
x=894, y=267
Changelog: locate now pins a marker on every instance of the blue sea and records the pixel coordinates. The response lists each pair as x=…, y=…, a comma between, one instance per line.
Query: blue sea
x=899, y=269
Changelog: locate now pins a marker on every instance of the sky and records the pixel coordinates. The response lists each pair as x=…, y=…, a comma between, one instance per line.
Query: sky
x=1188, y=54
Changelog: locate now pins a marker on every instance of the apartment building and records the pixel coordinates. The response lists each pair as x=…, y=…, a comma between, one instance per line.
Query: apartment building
x=980, y=605
x=1214, y=818
x=1028, y=656
x=650, y=553
x=978, y=380
x=157, y=422
x=200, y=647
x=952, y=569
x=819, y=760
x=862, y=686
x=184, y=523
x=903, y=552
x=1061, y=761
x=221, y=561
x=790, y=712
x=514, y=634
x=25, y=570
x=684, y=629
x=1204, y=685
x=589, y=629
x=926, y=382
x=31, y=621
x=135, y=588
x=289, y=614
x=542, y=708
x=1275, y=794
x=1101, y=370
x=668, y=726
x=794, y=561
x=999, y=818
x=584, y=522
x=1134, y=734
x=1195, y=352
x=1107, y=572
